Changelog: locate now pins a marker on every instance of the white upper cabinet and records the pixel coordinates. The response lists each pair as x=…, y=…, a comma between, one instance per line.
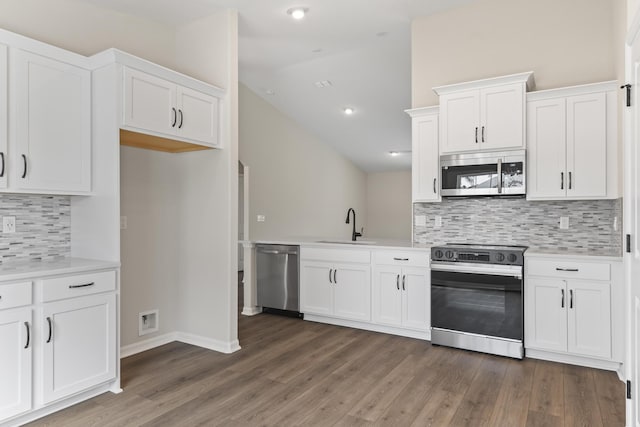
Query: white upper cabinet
x=50, y=126
x=483, y=115
x=4, y=113
x=425, y=185
x=160, y=107
x=572, y=146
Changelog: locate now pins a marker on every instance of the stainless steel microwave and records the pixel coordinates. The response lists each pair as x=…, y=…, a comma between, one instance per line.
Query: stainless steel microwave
x=483, y=174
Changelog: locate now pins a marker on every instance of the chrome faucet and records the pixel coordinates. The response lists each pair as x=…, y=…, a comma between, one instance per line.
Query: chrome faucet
x=354, y=234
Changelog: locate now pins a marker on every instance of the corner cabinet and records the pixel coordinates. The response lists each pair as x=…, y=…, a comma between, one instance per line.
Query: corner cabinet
x=484, y=115
x=160, y=107
x=572, y=143
x=425, y=164
x=335, y=283
x=50, y=126
x=568, y=310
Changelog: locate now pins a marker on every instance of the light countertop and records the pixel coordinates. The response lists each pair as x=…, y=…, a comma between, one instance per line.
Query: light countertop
x=371, y=243
x=592, y=254
x=29, y=269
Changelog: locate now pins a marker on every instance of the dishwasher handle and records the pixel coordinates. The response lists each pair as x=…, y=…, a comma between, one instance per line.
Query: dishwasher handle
x=274, y=252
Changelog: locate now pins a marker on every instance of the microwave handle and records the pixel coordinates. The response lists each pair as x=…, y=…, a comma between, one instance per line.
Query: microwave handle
x=499, y=176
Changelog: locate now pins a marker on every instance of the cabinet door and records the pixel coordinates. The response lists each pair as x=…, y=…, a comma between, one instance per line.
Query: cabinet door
x=589, y=319
x=316, y=288
x=587, y=146
x=352, y=292
x=51, y=136
x=16, y=335
x=79, y=344
x=387, y=295
x=198, y=118
x=416, y=298
x=502, y=117
x=546, y=314
x=546, y=143
x=425, y=165
x=149, y=103
x=459, y=122
x=4, y=114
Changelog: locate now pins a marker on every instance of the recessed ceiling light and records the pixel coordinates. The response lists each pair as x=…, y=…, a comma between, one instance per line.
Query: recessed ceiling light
x=297, y=12
x=270, y=92
x=323, y=83
x=349, y=111
x=398, y=153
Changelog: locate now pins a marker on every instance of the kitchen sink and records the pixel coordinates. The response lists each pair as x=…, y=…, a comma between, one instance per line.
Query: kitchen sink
x=348, y=242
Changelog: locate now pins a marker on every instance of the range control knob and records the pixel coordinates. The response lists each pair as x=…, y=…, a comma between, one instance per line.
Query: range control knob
x=449, y=254
x=438, y=253
x=512, y=257
x=499, y=257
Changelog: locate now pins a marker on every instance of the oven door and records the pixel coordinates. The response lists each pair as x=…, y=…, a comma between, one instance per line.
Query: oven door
x=479, y=299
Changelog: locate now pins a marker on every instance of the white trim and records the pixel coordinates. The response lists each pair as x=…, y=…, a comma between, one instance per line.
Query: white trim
x=409, y=333
x=525, y=78
x=251, y=311
x=608, y=86
x=423, y=111
x=209, y=343
x=573, y=360
x=148, y=344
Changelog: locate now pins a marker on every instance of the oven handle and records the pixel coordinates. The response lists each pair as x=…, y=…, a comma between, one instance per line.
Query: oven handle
x=491, y=270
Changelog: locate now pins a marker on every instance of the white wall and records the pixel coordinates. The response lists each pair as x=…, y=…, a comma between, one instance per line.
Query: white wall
x=389, y=205
x=564, y=42
x=188, y=272
x=302, y=186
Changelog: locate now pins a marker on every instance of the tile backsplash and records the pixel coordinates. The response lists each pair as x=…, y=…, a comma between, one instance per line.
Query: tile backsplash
x=518, y=221
x=43, y=227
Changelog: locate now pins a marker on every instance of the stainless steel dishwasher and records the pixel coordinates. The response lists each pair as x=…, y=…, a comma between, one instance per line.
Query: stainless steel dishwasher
x=278, y=278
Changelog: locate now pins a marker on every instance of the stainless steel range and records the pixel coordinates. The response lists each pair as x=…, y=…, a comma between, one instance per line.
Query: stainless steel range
x=477, y=298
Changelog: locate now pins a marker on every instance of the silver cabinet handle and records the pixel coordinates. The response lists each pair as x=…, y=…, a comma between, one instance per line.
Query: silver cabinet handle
x=335, y=279
x=434, y=186
x=482, y=133
x=401, y=259
x=50, y=329
x=562, y=180
x=26, y=325
x=403, y=277
x=476, y=134
x=570, y=298
x=562, y=300
x=573, y=270
x=330, y=272
x=499, y=172
x=398, y=282
x=85, y=285
x=569, y=180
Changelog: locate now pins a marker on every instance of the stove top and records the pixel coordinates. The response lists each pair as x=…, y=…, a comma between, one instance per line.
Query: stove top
x=479, y=254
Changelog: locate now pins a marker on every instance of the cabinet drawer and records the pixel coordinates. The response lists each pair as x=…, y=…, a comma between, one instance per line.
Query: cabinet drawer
x=335, y=255
x=15, y=295
x=570, y=269
x=402, y=258
x=78, y=285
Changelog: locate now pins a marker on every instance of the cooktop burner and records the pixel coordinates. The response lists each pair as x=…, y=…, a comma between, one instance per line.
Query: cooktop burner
x=478, y=253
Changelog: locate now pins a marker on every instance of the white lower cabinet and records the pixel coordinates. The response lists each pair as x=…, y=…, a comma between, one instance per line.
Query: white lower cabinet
x=569, y=313
x=401, y=296
x=79, y=342
x=16, y=341
x=335, y=289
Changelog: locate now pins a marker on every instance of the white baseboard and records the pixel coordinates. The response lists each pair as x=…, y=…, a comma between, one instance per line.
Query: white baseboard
x=409, y=333
x=148, y=344
x=199, y=341
x=251, y=311
x=572, y=360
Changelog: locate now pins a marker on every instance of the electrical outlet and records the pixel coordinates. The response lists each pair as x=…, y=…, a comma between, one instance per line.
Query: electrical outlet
x=420, y=220
x=261, y=218
x=8, y=224
x=437, y=223
x=564, y=222
x=123, y=223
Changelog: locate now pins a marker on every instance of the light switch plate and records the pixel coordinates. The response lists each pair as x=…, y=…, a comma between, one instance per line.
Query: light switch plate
x=420, y=220
x=8, y=224
x=564, y=222
x=437, y=223
x=261, y=218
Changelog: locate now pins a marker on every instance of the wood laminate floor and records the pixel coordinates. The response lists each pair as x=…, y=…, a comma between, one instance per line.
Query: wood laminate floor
x=291, y=372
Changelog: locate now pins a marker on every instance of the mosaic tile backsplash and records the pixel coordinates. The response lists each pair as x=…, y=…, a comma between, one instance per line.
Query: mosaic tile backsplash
x=43, y=227
x=514, y=221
